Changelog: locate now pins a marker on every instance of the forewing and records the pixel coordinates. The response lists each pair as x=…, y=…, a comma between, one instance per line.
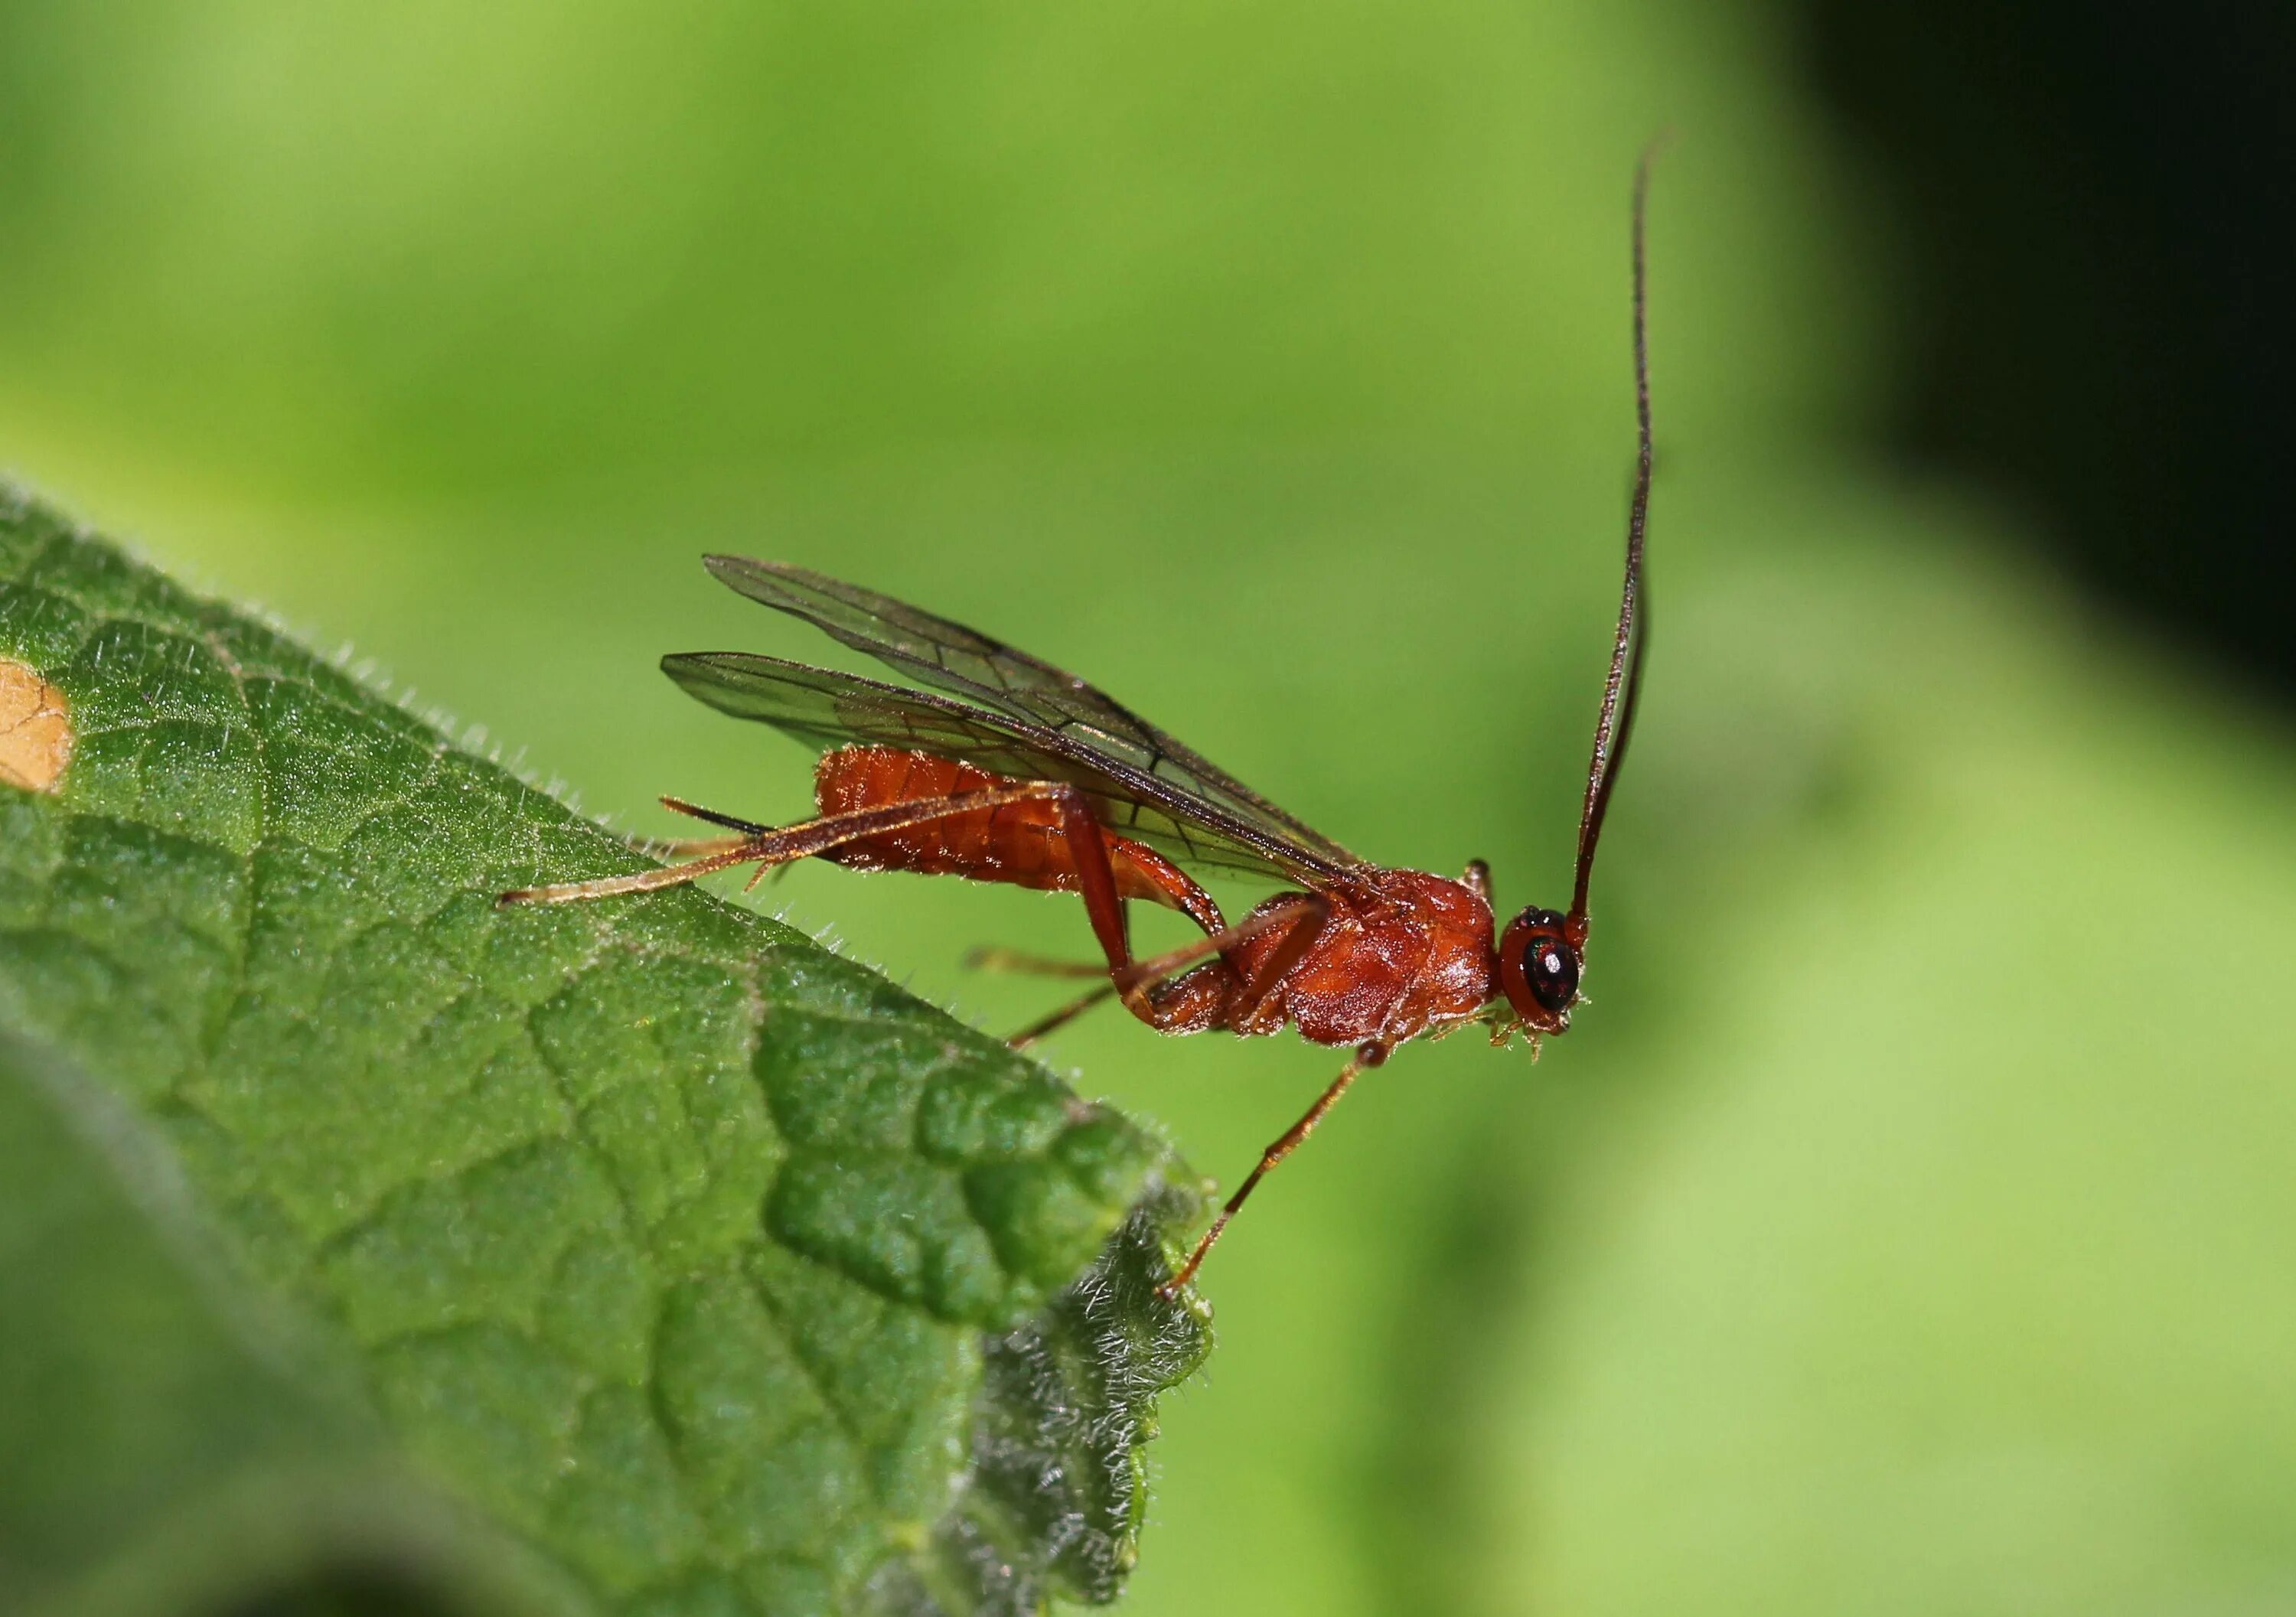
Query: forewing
x=986, y=671
x=830, y=710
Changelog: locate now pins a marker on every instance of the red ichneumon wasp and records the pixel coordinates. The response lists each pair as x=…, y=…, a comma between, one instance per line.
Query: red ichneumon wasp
x=1012, y=770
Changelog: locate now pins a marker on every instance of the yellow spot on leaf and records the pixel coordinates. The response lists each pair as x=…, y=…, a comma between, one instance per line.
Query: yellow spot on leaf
x=36, y=729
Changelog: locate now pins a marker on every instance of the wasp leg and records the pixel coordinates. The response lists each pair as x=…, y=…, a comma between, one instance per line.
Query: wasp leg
x=1370, y=1056
x=768, y=847
x=1306, y=916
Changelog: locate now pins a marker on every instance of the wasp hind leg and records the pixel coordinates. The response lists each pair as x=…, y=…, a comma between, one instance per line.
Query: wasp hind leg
x=1140, y=977
x=991, y=958
x=767, y=847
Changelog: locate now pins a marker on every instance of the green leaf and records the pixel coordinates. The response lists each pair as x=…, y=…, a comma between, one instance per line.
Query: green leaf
x=165, y=1448
x=675, y=1263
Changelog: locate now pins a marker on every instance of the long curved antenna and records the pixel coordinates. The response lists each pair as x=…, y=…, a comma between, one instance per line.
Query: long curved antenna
x=1615, y=724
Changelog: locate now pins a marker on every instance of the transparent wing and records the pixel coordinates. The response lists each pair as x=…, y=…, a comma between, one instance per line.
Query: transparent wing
x=956, y=658
x=830, y=710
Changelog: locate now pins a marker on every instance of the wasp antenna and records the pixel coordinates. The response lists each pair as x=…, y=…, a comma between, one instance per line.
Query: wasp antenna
x=1615, y=724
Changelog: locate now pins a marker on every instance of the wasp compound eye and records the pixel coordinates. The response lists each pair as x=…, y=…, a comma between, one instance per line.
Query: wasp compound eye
x=1551, y=967
x=1539, y=969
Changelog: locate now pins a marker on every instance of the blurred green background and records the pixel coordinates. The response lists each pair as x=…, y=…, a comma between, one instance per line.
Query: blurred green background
x=1905, y=1227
